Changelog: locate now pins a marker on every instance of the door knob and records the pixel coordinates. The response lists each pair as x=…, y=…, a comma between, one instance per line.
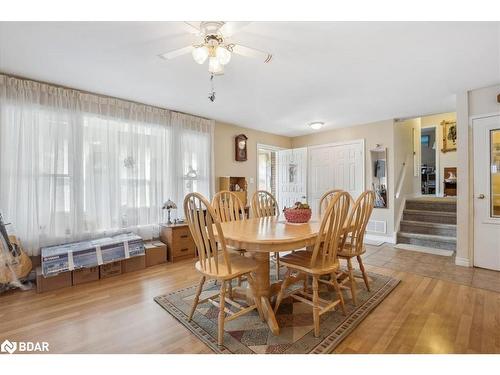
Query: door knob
x=480, y=196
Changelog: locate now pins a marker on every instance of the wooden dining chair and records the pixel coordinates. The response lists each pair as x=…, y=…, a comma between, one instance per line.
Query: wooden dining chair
x=321, y=261
x=352, y=245
x=216, y=262
x=228, y=207
x=265, y=205
x=326, y=198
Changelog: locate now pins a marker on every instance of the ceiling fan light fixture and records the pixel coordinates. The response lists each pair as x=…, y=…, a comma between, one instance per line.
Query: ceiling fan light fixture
x=223, y=55
x=214, y=66
x=200, y=54
x=316, y=125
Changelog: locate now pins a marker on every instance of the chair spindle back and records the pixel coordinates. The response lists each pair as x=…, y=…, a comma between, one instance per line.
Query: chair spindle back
x=228, y=207
x=331, y=230
x=358, y=220
x=326, y=198
x=264, y=204
x=201, y=219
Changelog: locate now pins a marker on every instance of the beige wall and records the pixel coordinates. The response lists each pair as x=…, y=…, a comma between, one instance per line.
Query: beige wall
x=484, y=101
x=225, y=165
x=446, y=159
x=378, y=132
x=403, y=154
x=471, y=104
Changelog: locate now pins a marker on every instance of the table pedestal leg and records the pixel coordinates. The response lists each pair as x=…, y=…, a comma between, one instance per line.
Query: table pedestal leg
x=262, y=286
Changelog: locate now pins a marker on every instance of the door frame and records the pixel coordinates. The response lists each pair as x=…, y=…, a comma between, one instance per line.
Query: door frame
x=360, y=141
x=437, y=161
x=266, y=147
x=471, y=206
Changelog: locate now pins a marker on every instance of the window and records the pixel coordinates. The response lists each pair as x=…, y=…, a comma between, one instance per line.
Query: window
x=75, y=165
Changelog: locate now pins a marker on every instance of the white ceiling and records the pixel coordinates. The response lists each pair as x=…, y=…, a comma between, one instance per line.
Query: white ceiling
x=342, y=73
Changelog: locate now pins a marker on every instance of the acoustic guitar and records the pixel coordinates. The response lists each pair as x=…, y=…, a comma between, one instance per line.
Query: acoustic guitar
x=15, y=264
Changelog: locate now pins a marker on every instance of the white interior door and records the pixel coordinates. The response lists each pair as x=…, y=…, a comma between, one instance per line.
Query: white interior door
x=486, y=132
x=336, y=166
x=292, y=177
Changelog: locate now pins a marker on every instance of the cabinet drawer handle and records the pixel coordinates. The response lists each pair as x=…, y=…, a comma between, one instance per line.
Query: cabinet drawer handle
x=184, y=236
x=185, y=249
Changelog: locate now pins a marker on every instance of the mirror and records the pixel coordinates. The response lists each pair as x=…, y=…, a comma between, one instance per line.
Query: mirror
x=379, y=176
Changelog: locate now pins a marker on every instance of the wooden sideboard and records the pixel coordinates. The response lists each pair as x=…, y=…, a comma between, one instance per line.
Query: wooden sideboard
x=180, y=244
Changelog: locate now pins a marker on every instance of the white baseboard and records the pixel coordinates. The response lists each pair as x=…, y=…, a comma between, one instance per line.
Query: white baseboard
x=383, y=238
x=464, y=262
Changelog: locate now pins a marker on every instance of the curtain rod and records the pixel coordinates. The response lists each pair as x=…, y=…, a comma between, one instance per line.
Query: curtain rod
x=96, y=94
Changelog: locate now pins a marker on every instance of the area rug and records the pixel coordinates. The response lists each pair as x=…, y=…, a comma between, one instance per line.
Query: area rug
x=248, y=334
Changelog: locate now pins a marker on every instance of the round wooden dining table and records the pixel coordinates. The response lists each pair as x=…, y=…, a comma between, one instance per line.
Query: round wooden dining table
x=262, y=236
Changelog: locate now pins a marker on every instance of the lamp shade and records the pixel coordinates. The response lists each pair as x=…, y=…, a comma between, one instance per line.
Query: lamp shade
x=200, y=54
x=169, y=205
x=214, y=66
x=223, y=55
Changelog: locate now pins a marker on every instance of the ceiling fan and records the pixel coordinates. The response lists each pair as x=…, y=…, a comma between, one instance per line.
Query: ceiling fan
x=215, y=47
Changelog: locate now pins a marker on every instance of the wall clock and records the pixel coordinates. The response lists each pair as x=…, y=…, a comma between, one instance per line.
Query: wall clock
x=240, y=147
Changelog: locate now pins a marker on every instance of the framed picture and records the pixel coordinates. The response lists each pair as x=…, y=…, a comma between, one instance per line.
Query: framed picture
x=449, y=136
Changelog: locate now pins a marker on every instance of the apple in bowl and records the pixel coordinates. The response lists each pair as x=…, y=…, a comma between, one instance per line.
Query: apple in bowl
x=299, y=213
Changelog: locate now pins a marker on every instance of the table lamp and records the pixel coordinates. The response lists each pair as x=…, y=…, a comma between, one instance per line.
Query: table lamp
x=168, y=205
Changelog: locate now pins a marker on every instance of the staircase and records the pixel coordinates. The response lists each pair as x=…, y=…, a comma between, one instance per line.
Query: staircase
x=429, y=222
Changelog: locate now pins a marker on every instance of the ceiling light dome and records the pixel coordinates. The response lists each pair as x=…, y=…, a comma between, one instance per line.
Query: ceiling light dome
x=316, y=125
x=200, y=54
x=223, y=55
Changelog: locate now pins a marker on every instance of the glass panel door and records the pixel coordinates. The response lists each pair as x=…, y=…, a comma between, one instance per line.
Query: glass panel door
x=495, y=173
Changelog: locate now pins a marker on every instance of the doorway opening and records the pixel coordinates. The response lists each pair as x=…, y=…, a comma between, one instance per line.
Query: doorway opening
x=428, y=164
x=266, y=168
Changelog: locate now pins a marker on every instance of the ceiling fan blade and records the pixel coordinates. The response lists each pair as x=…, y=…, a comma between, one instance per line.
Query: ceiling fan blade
x=251, y=52
x=176, y=53
x=231, y=28
x=194, y=27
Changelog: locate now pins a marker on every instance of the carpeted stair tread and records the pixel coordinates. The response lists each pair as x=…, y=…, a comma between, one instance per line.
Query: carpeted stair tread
x=430, y=216
x=428, y=240
x=432, y=204
x=428, y=237
x=427, y=212
x=424, y=227
x=427, y=224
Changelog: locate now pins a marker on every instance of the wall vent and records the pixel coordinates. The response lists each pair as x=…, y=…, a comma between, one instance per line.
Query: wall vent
x=377, y=226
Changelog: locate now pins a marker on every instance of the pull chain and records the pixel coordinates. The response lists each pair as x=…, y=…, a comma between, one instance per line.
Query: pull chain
x=211, y=94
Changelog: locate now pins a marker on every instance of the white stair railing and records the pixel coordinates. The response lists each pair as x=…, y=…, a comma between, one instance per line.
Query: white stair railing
x=401, y=180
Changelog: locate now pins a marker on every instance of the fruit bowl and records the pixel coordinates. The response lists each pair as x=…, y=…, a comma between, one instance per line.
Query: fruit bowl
x=300, y=213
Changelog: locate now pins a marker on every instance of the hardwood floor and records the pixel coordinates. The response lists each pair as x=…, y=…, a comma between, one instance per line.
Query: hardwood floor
x=118, y=315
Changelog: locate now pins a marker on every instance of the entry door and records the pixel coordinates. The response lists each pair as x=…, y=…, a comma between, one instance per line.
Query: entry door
x=338, y=166
x=486, y=133
x=292, y=177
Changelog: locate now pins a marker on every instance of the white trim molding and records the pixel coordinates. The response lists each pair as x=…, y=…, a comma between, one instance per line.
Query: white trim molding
x=464, y=262
x=377, y=237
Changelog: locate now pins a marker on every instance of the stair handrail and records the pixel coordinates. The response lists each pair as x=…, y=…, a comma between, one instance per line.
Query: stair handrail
x=402, y=175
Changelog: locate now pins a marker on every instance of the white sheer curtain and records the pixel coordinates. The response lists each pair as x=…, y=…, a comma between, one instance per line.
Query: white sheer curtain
x=194, y=147
x=75, y=165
